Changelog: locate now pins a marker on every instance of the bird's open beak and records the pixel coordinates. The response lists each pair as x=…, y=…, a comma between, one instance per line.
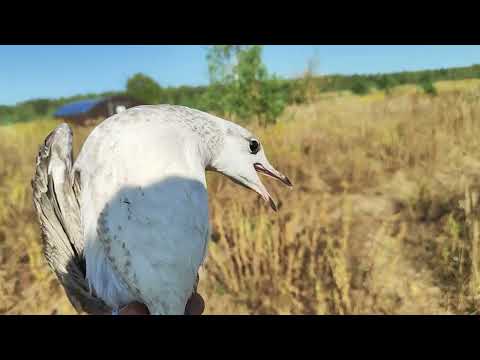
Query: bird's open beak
x=270, y=171
x=273, y=173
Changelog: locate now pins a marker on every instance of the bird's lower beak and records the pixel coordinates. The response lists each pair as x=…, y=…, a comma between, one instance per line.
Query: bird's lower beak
x=270, y=171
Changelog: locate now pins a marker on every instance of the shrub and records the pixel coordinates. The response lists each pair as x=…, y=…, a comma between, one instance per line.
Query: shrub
x=428, y=87
x=360, y=88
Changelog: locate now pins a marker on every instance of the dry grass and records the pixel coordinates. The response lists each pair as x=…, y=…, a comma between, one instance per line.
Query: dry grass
x=383, y=217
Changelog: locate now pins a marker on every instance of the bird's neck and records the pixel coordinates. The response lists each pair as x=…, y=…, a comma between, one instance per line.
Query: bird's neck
x=199, y=157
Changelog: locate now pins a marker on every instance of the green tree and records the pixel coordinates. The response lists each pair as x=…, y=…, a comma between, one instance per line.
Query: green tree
x=220, y=96
x=144, y=88
x=272, y=100
x=240, y=84
x=306, y=88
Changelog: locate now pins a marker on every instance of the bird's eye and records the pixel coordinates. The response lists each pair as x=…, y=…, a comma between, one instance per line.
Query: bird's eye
x=254, y=146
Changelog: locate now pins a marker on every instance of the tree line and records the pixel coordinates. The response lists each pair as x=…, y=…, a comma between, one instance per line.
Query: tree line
x=241, y=87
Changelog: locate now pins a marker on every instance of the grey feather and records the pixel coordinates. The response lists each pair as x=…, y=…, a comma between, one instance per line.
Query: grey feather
x=55, y=195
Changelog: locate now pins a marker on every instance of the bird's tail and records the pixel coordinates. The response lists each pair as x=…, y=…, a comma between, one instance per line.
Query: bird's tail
x=55, y=195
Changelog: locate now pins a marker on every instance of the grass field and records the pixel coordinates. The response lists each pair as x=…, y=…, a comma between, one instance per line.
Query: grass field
x=382, y=218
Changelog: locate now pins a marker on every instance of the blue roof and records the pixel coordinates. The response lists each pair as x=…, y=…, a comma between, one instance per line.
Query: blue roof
x=77, y=107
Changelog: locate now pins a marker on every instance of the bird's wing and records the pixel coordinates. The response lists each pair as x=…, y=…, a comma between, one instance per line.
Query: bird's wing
x=155, y=239
x=55, y=196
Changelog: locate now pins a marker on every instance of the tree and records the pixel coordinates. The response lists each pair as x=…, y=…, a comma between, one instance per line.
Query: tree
x=218, y=97
x=272, y=100
x=240, y=84
x=144, y=88
x=306, y=88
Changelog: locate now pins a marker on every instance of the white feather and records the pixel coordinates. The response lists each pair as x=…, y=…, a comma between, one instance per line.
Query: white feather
x=144, y=205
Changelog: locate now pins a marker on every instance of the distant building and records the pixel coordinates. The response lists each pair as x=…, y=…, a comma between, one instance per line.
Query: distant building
x=86, y=112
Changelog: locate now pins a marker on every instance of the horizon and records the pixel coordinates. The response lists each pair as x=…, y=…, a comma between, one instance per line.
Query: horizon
x=39, y=71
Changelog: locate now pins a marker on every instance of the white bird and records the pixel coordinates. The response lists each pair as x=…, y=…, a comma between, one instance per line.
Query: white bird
x=128, y=221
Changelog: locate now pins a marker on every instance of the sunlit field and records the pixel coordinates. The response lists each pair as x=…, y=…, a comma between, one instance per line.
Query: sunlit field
x=381, y=219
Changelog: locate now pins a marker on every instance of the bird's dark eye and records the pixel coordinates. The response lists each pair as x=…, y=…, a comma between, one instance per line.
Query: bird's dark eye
x=254, y=146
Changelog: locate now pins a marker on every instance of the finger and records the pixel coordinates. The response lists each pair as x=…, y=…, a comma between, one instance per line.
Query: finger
x=134, y=309
x=195, y=305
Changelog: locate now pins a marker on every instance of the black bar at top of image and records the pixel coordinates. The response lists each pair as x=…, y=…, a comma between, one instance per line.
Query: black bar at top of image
x=284, y=23
x=325, y=29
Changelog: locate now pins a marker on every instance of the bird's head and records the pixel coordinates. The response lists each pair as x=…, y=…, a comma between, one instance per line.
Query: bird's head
x=241, y=158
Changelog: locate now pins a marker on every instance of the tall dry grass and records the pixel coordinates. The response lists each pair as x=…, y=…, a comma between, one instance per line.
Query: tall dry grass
x=383, y=217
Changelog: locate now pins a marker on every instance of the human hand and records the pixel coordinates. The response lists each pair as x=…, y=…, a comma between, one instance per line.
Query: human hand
x=195, y=306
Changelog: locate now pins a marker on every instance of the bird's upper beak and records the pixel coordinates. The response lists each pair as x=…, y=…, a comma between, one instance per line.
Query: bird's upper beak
x=268, y=170
x=273, y=173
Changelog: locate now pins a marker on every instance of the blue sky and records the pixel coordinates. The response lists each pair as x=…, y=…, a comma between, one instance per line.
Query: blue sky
x=41, y=71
